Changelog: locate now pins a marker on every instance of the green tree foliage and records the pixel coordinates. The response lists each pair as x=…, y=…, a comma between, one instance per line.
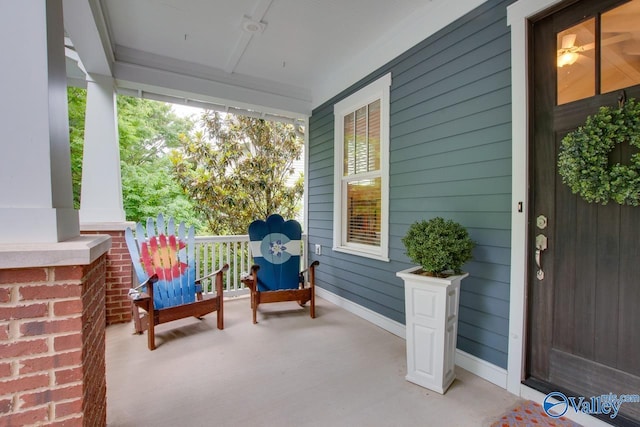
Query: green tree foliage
x=147, y=130
x=77, y=105
x=238, y=169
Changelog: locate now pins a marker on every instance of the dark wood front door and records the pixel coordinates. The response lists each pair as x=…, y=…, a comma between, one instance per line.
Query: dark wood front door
x=584, y=314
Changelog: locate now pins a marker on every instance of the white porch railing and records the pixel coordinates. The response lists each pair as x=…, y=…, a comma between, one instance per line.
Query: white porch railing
x=212, y=252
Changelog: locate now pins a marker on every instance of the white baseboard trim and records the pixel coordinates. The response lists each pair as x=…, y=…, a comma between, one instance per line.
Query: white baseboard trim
x=473, y=364
x=379, y=320
x=488, y=371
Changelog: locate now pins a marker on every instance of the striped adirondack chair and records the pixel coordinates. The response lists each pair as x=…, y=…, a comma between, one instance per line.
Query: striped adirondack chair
x=164, y=260
x=276, y=276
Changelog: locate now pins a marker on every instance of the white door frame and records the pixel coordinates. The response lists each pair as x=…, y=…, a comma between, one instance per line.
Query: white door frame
x=517, y=18
x=518, y=15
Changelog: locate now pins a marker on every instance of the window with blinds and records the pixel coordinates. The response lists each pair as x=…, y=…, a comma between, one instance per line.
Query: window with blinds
x=363, y=212
x=361, y=171
x=362, y=140
x=362, y=158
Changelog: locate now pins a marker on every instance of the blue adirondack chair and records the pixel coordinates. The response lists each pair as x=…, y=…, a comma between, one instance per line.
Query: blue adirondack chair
x=276, y=276
x=164, y=260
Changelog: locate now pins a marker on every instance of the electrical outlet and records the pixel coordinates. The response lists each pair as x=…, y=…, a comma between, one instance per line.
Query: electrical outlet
x=318, y=249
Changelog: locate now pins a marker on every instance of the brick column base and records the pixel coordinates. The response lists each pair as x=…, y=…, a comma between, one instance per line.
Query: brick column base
x=52, y=345
x=120, y=276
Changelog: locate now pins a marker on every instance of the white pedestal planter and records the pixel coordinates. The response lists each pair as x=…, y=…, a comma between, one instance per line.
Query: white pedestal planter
x=431, y=307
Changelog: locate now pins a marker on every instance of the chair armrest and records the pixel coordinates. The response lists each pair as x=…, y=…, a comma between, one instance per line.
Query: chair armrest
x=134, y=293
x=144, y=300
x=249, y=280
x=252, y=275
x=217, y=282
x=312, y=276
x=313, y=265
x=222, y=269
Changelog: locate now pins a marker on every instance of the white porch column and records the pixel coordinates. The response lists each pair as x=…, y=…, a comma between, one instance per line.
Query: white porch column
x=36, y=202
x=101, y=197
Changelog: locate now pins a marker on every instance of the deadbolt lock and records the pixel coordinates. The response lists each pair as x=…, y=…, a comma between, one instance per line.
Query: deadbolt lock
x=541, y=222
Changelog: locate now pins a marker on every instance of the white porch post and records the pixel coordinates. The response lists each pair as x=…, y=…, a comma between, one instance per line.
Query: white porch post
x=36, y=202
x=101, y=208
x=101, y=197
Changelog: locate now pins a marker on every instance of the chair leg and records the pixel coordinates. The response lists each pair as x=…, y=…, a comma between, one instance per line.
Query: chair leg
x=137, y=319
x=254, y=306
x=151, y=333
x=220, y=313
x=312, y=309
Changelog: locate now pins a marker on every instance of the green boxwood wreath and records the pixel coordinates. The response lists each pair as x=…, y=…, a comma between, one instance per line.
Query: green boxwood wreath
x=583, y=162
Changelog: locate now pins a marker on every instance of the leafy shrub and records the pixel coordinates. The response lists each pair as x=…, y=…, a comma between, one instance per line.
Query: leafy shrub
x=438, y=245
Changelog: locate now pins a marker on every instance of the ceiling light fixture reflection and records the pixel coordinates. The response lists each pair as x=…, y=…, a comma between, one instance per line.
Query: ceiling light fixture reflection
x=567, y=58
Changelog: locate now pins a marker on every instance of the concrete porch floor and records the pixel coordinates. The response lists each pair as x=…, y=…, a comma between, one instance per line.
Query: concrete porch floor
x=288, y=370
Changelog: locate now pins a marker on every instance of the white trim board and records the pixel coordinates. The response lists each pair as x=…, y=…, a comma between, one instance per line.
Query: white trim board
x=378, y=90
x=518, y=15
x=481, y=368
x=396, y=328
x=473, y=364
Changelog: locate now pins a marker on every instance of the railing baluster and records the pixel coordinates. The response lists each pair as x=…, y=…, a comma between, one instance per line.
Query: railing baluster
x=207, y=262
x=243, y=267
x=227, y=254
x=233, y=282
x=224, y=249
x=197, y=252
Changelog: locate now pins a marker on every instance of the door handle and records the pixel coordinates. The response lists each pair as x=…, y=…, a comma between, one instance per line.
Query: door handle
x=539, y=271
x=541, y=246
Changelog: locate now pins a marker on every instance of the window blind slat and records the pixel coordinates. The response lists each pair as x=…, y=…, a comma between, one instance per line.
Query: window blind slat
x=360, y=153
x=363, y=211
x=374, y=136
x=349, y=144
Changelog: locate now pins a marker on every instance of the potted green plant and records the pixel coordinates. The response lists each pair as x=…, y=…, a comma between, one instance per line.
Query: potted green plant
x=432, y=293
x=439, y=246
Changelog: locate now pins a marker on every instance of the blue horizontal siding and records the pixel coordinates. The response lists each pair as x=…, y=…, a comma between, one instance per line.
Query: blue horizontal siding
x=450, y=156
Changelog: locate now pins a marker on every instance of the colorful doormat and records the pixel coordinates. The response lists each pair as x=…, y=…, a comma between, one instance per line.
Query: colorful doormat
x=531, y=414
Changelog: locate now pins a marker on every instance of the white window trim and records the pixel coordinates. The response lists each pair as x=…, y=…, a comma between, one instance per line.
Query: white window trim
x=380, y=89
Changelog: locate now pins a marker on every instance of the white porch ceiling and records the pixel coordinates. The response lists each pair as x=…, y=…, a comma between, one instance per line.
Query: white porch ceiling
x=304, y=51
